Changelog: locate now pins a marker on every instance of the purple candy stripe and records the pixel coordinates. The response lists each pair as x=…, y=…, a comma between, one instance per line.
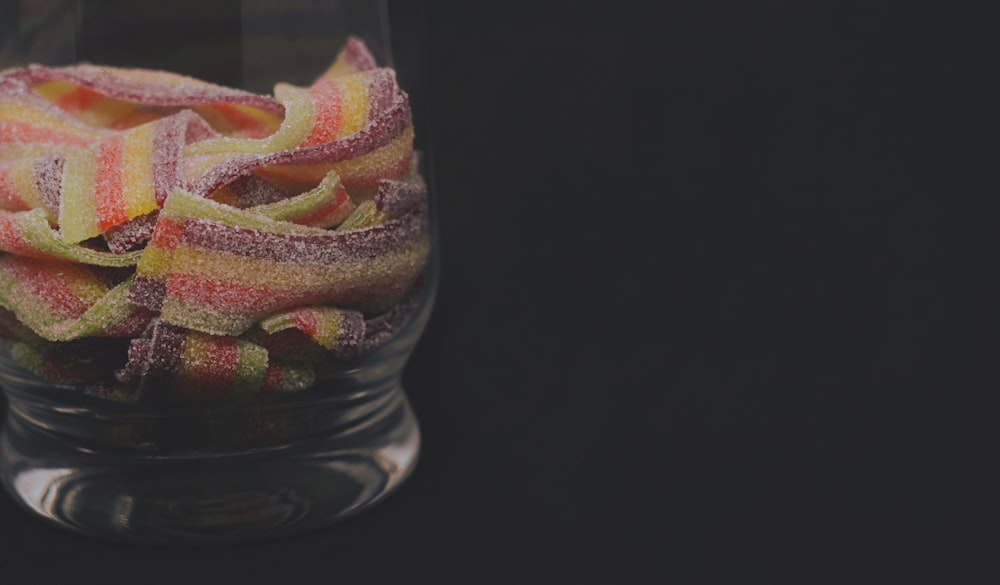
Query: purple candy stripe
x=172, y=134
x=383, y=91
x=252, y=190
x=147, y=292
x=166, y=349
x=350, y=335
x=356, y=55
x=48, y=171
x=381, y=329
x=328, y=248
x=379, y=132
x=124, y=237
x=395, y=198
x=116, y=83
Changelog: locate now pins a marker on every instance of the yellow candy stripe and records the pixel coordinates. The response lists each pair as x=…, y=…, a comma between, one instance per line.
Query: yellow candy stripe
x=89, y=106
x=355, y=98
x=26, y=123
x=77, y=216
x=137, y=180
x=18, y=186
x=112, y=182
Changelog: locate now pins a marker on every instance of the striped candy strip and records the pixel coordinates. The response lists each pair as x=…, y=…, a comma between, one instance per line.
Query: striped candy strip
x=61, y=301
x=340, y=102
x=337, y=330
x=346, y=334
x=127, y=175
x=149, y=286
x=332, y=108
x=190, y=366
x=393, y=199
x=302, y=334
x=121, y=98
x=379, y=137
x=219, y=269
x=359, y=172
x=154, y=264
x=360, y=175
x=206, y=173
x=223, y=279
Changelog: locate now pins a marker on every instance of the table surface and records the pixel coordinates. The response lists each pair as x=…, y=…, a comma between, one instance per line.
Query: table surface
x=706, y=316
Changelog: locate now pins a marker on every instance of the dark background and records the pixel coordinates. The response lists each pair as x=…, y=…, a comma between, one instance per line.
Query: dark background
x=716, y=307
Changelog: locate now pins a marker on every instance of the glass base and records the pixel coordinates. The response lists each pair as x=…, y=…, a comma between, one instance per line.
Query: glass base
x=211, y=497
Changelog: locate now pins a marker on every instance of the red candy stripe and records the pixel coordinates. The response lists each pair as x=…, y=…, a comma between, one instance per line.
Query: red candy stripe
x=109, y=201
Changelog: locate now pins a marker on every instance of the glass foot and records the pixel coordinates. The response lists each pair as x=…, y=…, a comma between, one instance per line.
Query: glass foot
x=222, y=497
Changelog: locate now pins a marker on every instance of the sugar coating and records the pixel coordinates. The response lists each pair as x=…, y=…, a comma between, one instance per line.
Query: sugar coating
x=238, y=241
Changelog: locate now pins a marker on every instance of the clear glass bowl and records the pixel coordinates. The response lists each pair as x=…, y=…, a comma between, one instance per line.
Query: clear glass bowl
x=172, y=463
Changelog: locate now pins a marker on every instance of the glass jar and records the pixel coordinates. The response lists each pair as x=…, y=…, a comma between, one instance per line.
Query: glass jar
x=224, y=364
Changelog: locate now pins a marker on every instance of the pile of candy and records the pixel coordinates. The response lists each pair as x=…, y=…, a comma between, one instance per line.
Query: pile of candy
x=201, y=242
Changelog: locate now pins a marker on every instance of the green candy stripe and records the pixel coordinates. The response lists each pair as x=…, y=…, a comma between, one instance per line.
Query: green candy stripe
x=251, y=365
x=34, y=229
x=181, y=205
x=293, y=207
x=364, y=215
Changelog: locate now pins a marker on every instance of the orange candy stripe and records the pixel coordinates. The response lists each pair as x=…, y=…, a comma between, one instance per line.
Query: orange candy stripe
x=167, y=233
x=329, y=112
x=27, y=132
x=78, y=99
x=306, y=321
x=109, y=201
